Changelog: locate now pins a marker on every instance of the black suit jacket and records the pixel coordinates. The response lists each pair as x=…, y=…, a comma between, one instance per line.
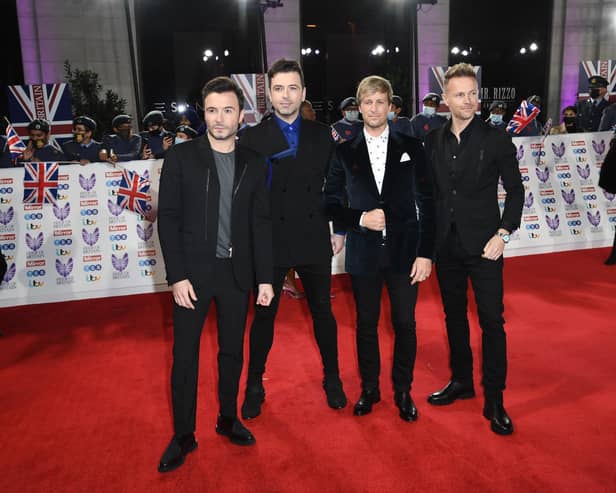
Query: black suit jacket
x=491, y=155
x=589, y=115
x=406, y=197
x=188, y=215
x=300, y=226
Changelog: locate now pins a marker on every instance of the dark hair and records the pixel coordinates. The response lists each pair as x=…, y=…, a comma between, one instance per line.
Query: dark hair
x=570, y=108
x=223, y=84
x=285, y=66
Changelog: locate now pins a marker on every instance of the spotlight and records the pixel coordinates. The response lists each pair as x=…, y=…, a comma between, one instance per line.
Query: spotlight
x=523, y=51
x=455, y=50
x=533, y=47
x=208, y=53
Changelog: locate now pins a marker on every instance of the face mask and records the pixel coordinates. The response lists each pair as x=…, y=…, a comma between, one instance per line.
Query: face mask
x=428, y=110
x=594, y=92
x=39, y=144
x=351, y=116
x=391, y=115
x=78, y=138
x=496, y=118
x=153, y=133
x=569, y=120
x=124, y=133
x=179, y=140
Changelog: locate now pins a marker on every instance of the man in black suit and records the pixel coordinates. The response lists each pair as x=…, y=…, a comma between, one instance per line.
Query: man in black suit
x=468, y=157
x=389, y=217
x=298, y=152
x=590, y=111
x=215, y=235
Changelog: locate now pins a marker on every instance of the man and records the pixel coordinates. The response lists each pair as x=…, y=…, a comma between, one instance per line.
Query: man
x=497, y=113
x=39, y=148
x=349, y=125
x=397, y=123
x=184, y=133
x=83, y=148
x=589, y=112
x=155, y=140
x=608, y=120
x=468, y=157
x=215, y=234
x=427, y=120
x=307, y=111
x=122, y=145
x=299, y=152
x=389, y=221
x=5, y=153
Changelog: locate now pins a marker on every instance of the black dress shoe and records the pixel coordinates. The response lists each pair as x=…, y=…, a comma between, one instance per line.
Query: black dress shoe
x=176, y=452
x=255, y=396
x=366, y=399
x=234, y=430
x=336, y=399
x=452, y=391
x=500, y=422
x=408, y=411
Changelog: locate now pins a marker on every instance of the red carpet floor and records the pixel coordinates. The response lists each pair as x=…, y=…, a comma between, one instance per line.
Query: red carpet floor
x=84, y=399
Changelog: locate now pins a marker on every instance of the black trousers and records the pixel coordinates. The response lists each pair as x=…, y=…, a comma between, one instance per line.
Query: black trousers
x=231, y=308
x=454, y=266
x=402, y=297
x=316, y=279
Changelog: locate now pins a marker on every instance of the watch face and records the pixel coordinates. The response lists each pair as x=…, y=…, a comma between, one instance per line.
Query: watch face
x=505, y=238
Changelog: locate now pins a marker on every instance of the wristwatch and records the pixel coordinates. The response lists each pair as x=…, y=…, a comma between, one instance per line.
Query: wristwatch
x=504, y=236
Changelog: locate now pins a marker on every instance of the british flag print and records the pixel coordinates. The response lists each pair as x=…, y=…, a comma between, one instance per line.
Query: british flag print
x=40, y=183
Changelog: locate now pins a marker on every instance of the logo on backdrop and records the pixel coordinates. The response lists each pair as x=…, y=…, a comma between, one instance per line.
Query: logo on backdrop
x=119, y=266
x=64, y=270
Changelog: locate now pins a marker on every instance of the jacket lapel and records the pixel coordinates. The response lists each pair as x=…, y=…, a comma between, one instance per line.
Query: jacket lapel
x=394, y=153
x=361, y=162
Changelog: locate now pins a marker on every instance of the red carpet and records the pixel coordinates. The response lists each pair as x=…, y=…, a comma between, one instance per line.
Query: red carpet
x=84, y=403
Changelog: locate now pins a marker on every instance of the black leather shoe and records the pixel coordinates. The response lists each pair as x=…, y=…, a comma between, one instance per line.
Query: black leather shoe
x=234, y=430
x=176, y=452
x=452, y=391
x=255, y=396
x=500, y=422
x=336, y=399
x=366, y=399
x=408, y=411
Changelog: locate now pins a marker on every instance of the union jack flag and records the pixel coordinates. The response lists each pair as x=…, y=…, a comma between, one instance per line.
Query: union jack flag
x=40, y=183
x=133, y=193
x=525, y=114
x=14, y=143
x=51, y=102
x=254, y=87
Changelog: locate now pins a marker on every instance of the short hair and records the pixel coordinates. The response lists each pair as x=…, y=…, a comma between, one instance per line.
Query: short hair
x=284, y=66
x=223, y=84
x=459, y=70
x=372, y=84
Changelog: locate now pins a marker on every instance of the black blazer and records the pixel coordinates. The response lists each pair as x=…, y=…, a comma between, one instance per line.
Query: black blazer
x=406, y=198
x=607, y=175
x=491, y=155
x=300, y=226
x=188, y=215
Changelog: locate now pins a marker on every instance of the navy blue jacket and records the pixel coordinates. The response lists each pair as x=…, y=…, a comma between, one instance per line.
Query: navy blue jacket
x=76, y=152
x=126, y=150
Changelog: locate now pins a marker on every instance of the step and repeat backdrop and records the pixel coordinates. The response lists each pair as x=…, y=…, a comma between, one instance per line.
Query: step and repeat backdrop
x=86, y=246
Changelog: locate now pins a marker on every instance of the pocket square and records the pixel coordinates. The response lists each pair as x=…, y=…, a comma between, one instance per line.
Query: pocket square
x=405, y=157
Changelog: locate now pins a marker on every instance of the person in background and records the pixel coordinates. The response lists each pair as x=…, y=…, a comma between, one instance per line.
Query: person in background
x=184, y=133
x=497, y=113
x=39, y=147
x=569, y=123
x=590, y=111
x=307, y=111
x=534, y=128
x=122, y=145
x=190, y=117
x=428, y=119
x=349, y=125
x=607, y=181
x=82, y=148
x=608, y=119
x=155, y=140
x=397, y=123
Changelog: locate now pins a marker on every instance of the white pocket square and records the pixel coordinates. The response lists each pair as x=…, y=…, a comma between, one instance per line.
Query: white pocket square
x=405, y=157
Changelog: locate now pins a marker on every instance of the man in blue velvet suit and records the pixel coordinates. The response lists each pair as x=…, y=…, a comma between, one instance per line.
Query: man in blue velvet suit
x=379, y=192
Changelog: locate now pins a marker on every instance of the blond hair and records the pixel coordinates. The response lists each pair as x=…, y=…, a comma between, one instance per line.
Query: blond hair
x=459, y=70
x=372, y=84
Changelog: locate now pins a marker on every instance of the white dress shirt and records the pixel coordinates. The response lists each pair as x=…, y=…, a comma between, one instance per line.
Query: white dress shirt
x=377, y=151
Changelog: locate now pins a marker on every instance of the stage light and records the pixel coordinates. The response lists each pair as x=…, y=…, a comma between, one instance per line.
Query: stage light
x=533, y=47
x=464, y=53
x=208, y=53
x=226, y=53
x=397, y=50
x=303, y=51
x=379, y=50
x=523, y=51
x=181, y=108
x=455, y=50
x=317, y=52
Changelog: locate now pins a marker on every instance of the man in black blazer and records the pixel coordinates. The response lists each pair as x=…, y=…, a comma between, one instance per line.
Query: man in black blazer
x=215, y=235
x=298, y=152
x=379, y=192
x=468, y=157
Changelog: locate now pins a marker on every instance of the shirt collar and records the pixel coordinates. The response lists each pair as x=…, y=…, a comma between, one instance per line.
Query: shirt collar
x=384, y=135
x=288, y=127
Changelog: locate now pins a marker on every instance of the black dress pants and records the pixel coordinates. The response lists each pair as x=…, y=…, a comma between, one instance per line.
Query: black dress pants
x=231, y=308
x=454, y=266
x=402, y=297
x=316, y=280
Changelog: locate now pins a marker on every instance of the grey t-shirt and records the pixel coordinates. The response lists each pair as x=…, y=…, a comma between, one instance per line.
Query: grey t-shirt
x=225, y=168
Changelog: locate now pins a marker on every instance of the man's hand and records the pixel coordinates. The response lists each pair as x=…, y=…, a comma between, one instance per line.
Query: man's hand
x=265, y=294
x=374, y=220
x=147, y=153
x=337, y=243
x=167, y=142
x=421, y=269
x=184, y=294
x=28, y=153
x=494, y=248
